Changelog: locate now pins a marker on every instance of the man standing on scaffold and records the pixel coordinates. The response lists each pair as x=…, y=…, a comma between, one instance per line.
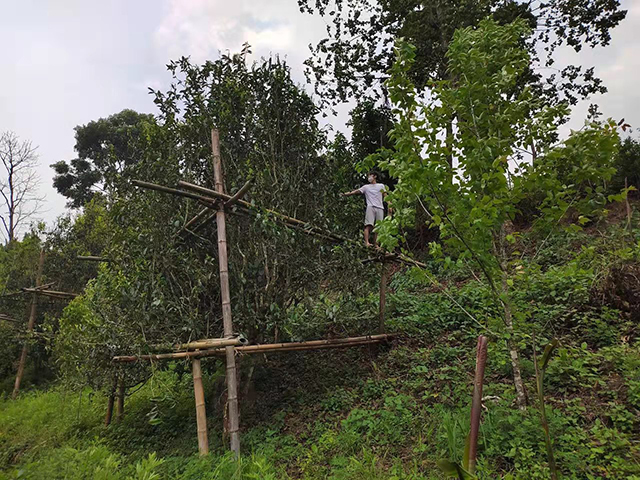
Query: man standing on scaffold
x=374, y=193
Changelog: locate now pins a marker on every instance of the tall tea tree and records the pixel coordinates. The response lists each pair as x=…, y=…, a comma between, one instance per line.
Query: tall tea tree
x=163, y=287
x=474, y=204
x=357, y=52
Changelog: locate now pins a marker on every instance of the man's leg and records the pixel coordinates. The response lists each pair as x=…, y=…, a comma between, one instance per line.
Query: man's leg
x=367, y=231
x=379, y=216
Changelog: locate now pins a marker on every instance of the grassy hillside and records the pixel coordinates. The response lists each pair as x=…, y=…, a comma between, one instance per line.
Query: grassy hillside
x=388, y=412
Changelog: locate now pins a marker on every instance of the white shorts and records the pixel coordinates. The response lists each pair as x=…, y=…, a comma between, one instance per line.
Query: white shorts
x=373, y=215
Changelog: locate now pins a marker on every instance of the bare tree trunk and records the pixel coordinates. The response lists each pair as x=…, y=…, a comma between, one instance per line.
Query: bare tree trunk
x=521, y=393
x=501, y=253
x=18, y=188
x=32, y=320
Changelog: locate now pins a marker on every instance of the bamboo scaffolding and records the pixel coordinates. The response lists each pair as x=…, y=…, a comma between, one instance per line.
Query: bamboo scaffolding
x=231, y=372
x=252, y=209
x=211, y=343
x=30, y=325
x=209, y=202
x=291, y=221
x=239, y=194
x=264, y=348
x=202, y=213
x=198, y=348
x=313, y=344
x=284, y=218
x=201, y=412
x=50, y=293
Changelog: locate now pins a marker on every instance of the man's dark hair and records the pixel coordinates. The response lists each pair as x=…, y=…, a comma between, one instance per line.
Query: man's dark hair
x=374, y=173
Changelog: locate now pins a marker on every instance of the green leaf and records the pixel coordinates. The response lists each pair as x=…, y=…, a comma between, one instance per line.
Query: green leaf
x=467, y=450
x=547, y=353
x=454, y=470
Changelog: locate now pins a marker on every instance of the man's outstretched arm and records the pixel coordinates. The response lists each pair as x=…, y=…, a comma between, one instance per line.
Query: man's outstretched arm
x=353, y=192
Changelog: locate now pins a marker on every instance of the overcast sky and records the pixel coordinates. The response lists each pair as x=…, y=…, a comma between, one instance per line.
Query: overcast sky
x=67, y=62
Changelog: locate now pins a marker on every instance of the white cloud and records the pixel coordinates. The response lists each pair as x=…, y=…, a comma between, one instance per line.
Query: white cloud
x=202, y=28
x=618, y=65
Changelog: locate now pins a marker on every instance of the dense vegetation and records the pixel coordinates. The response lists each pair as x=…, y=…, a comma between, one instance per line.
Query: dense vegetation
x=527, y=238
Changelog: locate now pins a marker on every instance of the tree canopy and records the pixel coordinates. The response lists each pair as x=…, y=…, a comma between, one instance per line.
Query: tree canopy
x=106, y=149
x=354, y=58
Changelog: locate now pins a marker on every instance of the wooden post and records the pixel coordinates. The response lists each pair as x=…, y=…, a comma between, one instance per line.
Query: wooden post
x=476, y=405
x=626, y=200
x=112, y=394
x=201, y=412
x=384, y=277
x=120, y=397
x=30, y=325
x=232, y=380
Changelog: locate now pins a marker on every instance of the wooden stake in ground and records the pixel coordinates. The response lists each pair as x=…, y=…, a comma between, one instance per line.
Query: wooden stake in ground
x=201, y=411
x=384, y=278
x=476, y=405
x=30, y=325
x=112, y=394
x=232, y=380
x=120, y=397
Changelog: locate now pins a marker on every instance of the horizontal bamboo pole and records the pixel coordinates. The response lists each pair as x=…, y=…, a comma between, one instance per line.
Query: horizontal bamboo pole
x=202, y=213
x=92, y=258
x=50, y=293
x=311, y=344
x=211, y=343
x=266, y=348
x=8, y=318
x=203, y=344
x=181, y=193
x=239, y=194
x=300, y=348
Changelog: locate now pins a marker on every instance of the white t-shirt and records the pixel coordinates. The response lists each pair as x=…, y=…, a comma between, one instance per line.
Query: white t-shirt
x=373, y=193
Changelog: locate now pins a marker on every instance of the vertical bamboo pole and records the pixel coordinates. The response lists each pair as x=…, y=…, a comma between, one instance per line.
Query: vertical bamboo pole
x=232, y=380
x=112, y=394
x=201, y=411
x=476, y=405
x=30, y=325
x=120, y=399
x=384, y=277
